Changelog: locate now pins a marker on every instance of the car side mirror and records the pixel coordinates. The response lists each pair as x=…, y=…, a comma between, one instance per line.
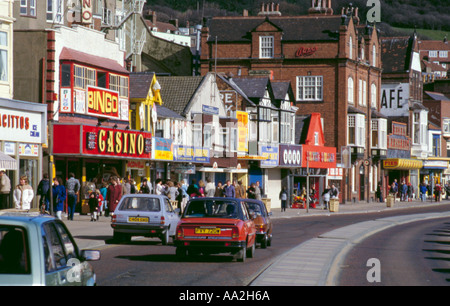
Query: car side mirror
x=90, y=255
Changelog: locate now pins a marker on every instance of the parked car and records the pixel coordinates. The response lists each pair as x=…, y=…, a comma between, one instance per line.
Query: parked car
x=262, y=222
x=216, y=225
x=39, y=250
x=144, y=215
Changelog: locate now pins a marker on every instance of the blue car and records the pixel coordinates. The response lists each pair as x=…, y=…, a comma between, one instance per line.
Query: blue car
x=38, y=250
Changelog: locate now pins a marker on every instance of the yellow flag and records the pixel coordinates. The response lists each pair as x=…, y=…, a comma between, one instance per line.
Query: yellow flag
x=154, y=92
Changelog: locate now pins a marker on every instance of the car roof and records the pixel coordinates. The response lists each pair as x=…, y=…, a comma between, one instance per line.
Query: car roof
x=24, y=216
x=142, y=195
x=214, y=199
x=252, y=201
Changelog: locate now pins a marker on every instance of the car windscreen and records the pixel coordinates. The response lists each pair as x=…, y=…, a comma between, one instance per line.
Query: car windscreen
x=140, y=204
x=256, y=207
x=212, y=209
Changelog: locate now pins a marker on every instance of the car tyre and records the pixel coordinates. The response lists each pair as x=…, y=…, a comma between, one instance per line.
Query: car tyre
x=251, y=251
x=242, y=254
x=264, y=241
x=269, y=241
x=165, y=237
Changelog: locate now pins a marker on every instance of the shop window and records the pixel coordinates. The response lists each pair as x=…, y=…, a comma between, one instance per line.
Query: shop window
x=120, y=84
x=84, y=77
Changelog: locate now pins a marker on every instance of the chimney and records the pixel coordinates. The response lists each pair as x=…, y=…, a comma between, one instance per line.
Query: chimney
x=270, y=9
x=245, y=13
x=320, y=7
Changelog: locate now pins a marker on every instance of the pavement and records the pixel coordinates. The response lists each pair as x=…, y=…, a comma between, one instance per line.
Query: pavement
x=325, y=253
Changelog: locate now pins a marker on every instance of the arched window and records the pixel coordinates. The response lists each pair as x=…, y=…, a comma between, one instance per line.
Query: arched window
x=350, y=90
x=374, y=55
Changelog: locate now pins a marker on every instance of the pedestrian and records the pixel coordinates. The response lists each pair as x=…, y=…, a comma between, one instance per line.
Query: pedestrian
x=5, y=189
x=192, y=190
x=423, y=192
x=326, y=194
x=210, y=188
x=404, y=191
x=72, y=190
x=251, y=191
x=93, y=205
x=103, y=192
x=113, y=196
x=59, y=196
x=126, y=186
x=42, y=191
x=229, y=190
x=144, y=187
x=159, y=187
x=379, y=194
x=201, y=188
x=100, y=201
x=283, y=197
x=219, y=190
x=258, y=191
x=240, y=190
x=172, y=191
x=394, y=189
x=410, y=192
x=437, y=192
x=180, y=196
x=184, y=188
x=447, y=190
x=23, y=194
x=334, y=193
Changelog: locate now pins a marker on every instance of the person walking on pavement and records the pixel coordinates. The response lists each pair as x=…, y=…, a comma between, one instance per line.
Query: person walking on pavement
x=219, y=190
x=240, y=190
x=23, y=194
x=258, y=191
x=72, y=190
x=103, y=192
x=283, y=197
x=5, y=189
x=144, y=187
x=210, y=188
x=59, y=196
x=113, y=195
x=42, y=191
x=229, y=190
x=423, y=192
x=326, y=197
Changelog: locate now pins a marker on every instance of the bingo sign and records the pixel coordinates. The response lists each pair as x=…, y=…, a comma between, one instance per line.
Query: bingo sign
x=102, y=102
x=290, y=156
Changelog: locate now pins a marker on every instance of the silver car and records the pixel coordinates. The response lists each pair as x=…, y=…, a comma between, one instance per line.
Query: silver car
x=144, y=215
x=39, y=250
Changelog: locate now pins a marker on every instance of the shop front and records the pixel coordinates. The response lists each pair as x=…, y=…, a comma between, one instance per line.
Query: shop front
x=290, y=159
x=95, y=153
x=316, y=160
x=433, y=172
x=402, y=170
x=23, y=134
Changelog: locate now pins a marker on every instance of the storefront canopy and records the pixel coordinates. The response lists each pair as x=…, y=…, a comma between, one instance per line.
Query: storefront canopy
x=402, y=164
x=7, y=162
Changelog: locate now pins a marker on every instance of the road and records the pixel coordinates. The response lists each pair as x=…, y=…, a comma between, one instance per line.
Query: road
x=414, y=254
x=148, y=263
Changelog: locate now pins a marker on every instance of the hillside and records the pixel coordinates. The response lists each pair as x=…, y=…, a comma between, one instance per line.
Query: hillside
x=421, y=14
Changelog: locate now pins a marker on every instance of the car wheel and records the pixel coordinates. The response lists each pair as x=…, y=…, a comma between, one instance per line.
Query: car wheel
x=264, y=241
x=269, y=241
x=165, y=237
x=251, y=251
x=242, y=254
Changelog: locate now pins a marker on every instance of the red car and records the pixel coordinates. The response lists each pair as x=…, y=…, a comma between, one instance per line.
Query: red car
x=216, y=225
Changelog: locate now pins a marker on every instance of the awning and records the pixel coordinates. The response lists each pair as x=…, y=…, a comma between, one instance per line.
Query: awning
x=402, y=164
x=7, y=162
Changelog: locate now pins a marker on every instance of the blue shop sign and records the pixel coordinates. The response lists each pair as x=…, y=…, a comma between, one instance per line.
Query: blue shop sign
x=190, y=154
x=271, y=155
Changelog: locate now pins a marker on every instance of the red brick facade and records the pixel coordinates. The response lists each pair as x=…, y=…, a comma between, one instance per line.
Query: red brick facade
x=313, y=45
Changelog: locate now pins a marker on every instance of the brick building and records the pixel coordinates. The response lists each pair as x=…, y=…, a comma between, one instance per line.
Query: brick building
x=333, y=64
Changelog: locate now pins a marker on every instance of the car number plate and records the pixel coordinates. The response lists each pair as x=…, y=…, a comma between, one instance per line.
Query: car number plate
x=213, y=231
x=138, y=219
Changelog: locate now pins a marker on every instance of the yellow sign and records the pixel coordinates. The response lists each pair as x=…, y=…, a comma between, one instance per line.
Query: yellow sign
x=402, y=164
x=242, y=121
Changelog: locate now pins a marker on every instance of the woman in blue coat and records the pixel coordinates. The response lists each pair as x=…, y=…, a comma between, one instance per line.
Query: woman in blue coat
x=59, y=196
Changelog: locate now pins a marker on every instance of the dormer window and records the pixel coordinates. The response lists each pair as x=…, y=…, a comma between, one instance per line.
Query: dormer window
x=266, y=46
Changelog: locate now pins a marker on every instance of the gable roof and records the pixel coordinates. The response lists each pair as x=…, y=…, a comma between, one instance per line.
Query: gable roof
x=253, y=87
x=233, y=85
x=140, y=84
x=177, y=91
x=396, y=54
x=298, y=28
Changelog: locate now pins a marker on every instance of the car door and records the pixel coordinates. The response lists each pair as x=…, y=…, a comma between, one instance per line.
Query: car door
x=172, y=217
x=62, y=264
x=248, y=223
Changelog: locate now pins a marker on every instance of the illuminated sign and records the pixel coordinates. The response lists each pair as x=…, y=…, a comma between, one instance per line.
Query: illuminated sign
x=102, y=102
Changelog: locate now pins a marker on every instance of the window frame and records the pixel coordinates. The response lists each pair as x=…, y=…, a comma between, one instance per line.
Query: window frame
x=266, y=46
x=306, y=82
x=29, y=7
x=4, y=49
